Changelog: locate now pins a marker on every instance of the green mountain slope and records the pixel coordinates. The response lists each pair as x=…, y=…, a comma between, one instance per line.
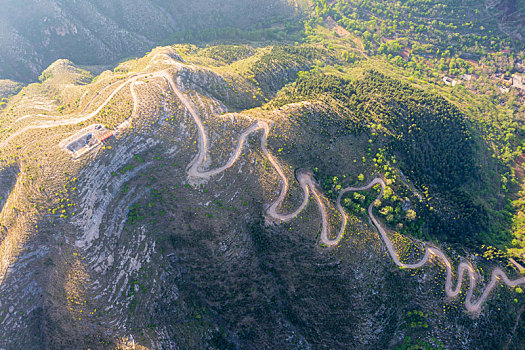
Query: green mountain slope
x=119, y=230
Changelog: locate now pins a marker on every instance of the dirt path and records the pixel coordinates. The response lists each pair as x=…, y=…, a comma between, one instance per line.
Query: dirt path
x=72, y=121
x=308, y=186
x=196, y=172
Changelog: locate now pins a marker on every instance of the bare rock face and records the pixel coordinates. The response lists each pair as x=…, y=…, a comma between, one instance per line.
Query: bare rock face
x=7, y=181
x=34, y=34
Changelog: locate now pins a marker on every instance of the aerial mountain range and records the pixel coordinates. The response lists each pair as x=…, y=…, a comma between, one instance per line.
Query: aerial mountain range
x=262, y=175
x=33, y=34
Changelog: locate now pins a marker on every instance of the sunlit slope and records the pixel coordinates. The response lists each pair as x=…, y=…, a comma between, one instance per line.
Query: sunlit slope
x=167, y=204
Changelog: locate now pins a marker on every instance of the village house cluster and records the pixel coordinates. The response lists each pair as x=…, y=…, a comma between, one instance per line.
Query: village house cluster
x=505, y=82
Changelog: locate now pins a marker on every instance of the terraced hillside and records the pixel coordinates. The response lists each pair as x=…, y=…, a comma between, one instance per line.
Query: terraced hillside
x=237, y=197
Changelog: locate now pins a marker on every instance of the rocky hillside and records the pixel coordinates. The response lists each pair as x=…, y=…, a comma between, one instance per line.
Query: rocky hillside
x=33, y=34
x=511, y=16
x=189, y=200
x=8, y=88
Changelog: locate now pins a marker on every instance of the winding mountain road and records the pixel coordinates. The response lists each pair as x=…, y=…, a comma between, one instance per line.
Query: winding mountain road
x=71, y=121
x=196, y=172
x=308, y=185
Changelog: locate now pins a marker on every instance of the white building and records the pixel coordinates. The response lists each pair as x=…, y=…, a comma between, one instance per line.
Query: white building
x=518, y=82
x=449, y=81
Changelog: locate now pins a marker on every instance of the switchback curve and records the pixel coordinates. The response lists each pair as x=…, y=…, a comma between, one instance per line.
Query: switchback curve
x=308, y=185
x=195, y=172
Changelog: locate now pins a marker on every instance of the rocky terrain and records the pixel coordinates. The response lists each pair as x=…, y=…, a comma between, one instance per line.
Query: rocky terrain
x=33, y=34
x=281, y=174
x=167, y=205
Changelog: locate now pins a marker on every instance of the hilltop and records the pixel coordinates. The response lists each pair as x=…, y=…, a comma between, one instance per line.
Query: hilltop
x=162, y=204
x=356, y=183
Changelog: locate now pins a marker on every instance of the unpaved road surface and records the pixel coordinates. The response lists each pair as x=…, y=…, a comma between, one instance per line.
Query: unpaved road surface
x=195, y=172
x=308, y=186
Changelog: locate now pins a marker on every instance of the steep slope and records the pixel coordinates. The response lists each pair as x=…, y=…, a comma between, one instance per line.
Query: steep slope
x=89, y=32
x=511, y=16
x=165, y=205
x=425, y=137
x=9, y=88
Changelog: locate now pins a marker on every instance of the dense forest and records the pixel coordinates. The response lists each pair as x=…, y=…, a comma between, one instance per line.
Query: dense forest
x=475, y=48
x=443, y=28
x=430, y=138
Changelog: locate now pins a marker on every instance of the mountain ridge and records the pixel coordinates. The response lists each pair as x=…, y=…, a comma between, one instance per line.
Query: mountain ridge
x=131, y=264
x=91, y=32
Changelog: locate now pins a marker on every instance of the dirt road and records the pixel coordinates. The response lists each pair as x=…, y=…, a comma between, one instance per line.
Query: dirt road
x=309, y=186
x=196, y=172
